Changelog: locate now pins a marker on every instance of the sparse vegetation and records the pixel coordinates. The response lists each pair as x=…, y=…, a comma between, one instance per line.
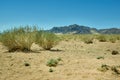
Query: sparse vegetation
x=102, y=38
x=112, y=39
x=103, y=68
x=53, y=62
x=51, y=70
x=114, y=69
x=26, y=64
x=59, y=59
x=108, y=38
x=114, y=52
x=100, y=57
x=78, y=59
x=88, y=39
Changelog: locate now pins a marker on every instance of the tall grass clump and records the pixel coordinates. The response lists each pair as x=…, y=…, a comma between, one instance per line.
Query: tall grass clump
x=46, y=40
x=18, y=39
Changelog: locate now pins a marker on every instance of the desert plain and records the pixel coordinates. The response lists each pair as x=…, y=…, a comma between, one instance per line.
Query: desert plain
x=80, y=61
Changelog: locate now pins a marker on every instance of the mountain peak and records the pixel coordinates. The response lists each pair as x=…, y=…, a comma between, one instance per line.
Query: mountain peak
x=80, y=29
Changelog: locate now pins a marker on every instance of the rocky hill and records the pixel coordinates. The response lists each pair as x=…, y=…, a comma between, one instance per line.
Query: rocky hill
x=78, y=29
x=110, y=31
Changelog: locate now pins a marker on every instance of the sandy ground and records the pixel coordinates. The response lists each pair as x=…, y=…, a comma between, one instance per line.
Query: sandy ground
x=79, y=62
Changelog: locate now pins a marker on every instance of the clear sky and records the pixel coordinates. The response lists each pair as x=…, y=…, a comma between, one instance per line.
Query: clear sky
x=49, y=13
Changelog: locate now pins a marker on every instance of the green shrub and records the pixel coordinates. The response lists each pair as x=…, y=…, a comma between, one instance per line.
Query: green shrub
x=52, y=63
x=18, y=38
x=46, y=40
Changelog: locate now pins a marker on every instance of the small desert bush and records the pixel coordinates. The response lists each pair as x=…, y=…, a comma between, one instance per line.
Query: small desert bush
x=46, y=40
x=88, y=39
x=101, y=38
x=26, y=64
x=18, y=38
x=114, y=52
x=114, y=69
x=104, y=68
x=100, y=57
x=51, y=70
x=59, y=59
x=53, y=62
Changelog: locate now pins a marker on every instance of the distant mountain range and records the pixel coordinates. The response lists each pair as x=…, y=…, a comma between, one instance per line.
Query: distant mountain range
x=78, y=29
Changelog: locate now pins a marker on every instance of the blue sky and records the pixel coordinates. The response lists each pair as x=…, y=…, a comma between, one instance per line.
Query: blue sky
x=49, y=13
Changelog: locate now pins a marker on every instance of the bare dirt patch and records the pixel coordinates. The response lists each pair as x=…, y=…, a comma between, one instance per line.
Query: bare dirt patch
x=79, y=62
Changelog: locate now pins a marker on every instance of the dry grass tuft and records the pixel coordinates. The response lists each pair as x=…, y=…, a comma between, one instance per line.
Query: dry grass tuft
x=46, y=40
x=18, y=39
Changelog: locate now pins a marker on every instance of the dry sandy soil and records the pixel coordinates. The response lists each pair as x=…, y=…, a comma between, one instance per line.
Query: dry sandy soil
x=79, y=62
